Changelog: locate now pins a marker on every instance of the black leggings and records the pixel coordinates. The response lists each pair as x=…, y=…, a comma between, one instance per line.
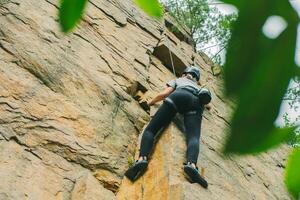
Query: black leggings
x=183, y=102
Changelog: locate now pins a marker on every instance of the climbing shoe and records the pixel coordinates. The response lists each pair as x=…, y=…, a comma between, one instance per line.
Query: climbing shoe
x=194, y=176
x=136, y=170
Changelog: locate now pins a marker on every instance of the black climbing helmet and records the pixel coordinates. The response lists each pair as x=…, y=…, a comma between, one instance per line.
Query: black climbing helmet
x=194, y=71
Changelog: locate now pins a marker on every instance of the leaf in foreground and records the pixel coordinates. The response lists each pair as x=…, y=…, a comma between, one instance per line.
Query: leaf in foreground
x=292, y=177
x=243, y=144
x=151, y=7
x=257, y=72
x=70, y=13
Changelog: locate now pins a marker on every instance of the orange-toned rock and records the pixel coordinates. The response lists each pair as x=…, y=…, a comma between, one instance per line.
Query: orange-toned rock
x=108, y=179
x=154, y=184
x=88, y=188
x=72, y=111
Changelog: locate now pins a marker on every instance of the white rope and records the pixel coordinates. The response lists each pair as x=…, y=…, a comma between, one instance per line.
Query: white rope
x=171, y=57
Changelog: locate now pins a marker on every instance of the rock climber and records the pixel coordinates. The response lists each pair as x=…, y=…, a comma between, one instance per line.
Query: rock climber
x=185, y=96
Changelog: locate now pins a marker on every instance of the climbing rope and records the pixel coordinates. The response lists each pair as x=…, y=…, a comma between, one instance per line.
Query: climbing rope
x=171, y=58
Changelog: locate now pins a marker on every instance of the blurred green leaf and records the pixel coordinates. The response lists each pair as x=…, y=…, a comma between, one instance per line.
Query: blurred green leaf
x=298, y=72
x=233, y=2
x=292, y=177
x=70, y=13
x=257, y=73
x=249, y=48
x=243, y=144
x=151, y=7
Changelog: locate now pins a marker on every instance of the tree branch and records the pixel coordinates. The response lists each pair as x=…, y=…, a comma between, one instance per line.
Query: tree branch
x=291, y=99
x=221, y=44
x=218, y=52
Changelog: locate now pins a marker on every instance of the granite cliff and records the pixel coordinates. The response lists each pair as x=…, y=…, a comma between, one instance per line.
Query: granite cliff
x=72, y=110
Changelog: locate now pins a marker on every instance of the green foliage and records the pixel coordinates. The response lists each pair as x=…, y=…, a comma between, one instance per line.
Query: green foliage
x=70, y=13
x=255, y=76
x=225, y=28
x=295, y=140
x=257, y=72
x=292, y=177
x=293, y=95
x=151, y=7
x=262, y=141
x=206, y=23
x=130, y=160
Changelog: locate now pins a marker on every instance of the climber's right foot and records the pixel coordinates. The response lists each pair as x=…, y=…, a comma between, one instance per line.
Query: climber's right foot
x=136, y=170
x=194, y=176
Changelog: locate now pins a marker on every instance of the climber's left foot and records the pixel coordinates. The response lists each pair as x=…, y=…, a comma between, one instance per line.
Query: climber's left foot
x=138, y=168
x=193, y=174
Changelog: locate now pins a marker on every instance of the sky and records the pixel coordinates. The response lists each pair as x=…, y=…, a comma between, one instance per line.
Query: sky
x=272, y=28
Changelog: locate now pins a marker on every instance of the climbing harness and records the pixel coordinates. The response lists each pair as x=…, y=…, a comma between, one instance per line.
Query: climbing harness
x=171, y=102
x=200, y=92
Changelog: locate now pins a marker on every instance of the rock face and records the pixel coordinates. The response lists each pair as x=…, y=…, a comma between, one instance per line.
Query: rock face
x=72, y=111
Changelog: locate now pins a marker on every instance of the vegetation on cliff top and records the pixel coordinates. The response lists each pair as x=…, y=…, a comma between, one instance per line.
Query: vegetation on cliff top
x=208, y=26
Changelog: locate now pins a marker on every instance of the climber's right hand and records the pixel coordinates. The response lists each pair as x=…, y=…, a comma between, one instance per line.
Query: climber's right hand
x=208, y=107
x=149, y=103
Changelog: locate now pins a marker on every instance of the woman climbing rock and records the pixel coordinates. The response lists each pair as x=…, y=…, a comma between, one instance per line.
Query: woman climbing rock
x=185, y=96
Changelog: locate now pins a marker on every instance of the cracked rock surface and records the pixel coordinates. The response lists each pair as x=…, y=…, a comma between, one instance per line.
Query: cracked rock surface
x=71, y=112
